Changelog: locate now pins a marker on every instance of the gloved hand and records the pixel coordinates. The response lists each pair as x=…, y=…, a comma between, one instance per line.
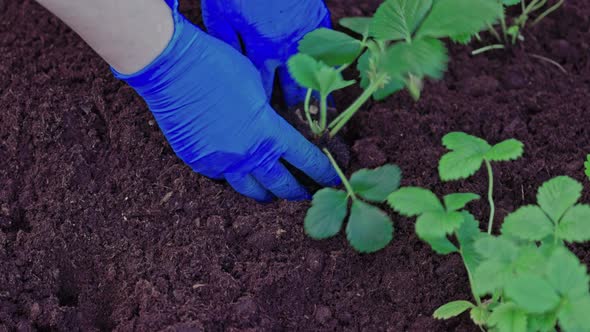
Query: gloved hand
x=269, y=31
x=209, y=101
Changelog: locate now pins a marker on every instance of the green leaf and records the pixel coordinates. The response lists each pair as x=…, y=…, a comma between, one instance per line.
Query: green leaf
x=528, y=223
x=491, y=275
x=466, y=156
x=587, y=166
x=364, y=68
x=441, y=245
x=462, y=39
x=497, y=248
x=459, y=141
x=467, y=234
x=359, y=25
x=412, y=201
x=324, y=218
x=432, y=225
x=542, y=323
x=452, y=309
x=510, y=149
x=455, y=202
x=398, y=19
x=369, y=229
x=422, y=58
x=530, y=260
x=573, y=315
x=479, y=315
x=332, y=47
x=390, y=88
x=469, y=230
x=376, y=184
x=507, y=317
x=303, y=68
x=450, y=18
x=566, y=274
x=513, y=31
x=316, y=75
x=457, y=165
x=429, y=225
x=557, y=195
x=532, y=293
x=451, y=221
x=575, y=224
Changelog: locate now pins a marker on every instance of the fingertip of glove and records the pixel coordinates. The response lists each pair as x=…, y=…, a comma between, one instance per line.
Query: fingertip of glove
x=267, y=199
x=305, y=197
x=334, y=182
x=330, y=177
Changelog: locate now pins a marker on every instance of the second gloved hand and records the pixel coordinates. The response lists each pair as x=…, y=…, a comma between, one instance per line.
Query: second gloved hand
x=209, y=101
x=268, y=33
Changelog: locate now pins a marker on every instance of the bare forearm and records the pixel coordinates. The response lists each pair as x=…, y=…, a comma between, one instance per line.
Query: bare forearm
x=128, y=34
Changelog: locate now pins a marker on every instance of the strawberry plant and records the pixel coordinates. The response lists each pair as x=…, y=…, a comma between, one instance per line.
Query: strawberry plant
x=510, y=34
x=524, y=279
x=397, y=48
x=369, y=229
x=467, y=155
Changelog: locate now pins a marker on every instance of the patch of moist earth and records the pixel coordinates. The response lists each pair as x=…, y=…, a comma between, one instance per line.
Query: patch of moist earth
x=103, y=228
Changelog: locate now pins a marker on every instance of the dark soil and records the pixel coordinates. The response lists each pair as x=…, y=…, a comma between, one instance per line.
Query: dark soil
x=103, y=228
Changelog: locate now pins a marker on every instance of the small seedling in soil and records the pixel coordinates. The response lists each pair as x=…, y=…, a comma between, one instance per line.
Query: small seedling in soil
x=397, y=48
x=510, y=34
x=369, y=229
x=525, y=279
x=587, y=166
x=467, y=155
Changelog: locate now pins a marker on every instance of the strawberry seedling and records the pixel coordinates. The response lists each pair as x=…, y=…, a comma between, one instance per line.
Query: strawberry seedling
x=467, y=155
x=510, y=34
x=369, y=229
x=397, y=48
x=525, y=279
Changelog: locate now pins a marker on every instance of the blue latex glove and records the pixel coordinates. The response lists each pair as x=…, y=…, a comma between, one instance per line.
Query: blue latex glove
x=209, y=101
x=269, y=31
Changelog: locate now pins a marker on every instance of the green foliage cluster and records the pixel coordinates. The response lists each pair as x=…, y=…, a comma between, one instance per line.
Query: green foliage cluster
x=524, y=279
x=369, y=229
x=467, y=155
x=397, y=48
x=511, y=33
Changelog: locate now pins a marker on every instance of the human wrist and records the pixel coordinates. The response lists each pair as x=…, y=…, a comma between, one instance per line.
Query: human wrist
x=151, y=80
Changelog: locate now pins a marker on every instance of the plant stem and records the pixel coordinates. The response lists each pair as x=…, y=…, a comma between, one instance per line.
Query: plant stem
x=343, y=67
x=524, y=17
x=312, y=125
x=514, y=36
x=343, y=118
x=488, y=48
x=345, y=182
x=490, y=196
x=495, y=33
x=323, y=112
x=504, y=26
x=536, y=5
x=471, y=284
x=547, y=12
x=542, y=58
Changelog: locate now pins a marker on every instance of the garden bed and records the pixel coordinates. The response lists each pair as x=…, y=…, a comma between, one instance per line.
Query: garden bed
x=102, y=227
